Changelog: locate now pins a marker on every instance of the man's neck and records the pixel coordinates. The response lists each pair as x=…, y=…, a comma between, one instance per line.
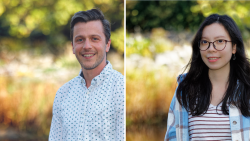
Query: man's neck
x=90, y=74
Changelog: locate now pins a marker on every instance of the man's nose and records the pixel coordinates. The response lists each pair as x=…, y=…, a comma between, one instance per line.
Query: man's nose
x=87, y=44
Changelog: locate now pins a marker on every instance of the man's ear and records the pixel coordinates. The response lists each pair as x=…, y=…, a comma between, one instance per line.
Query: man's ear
x=108, y=45
x=234, y=48
x=72, y=48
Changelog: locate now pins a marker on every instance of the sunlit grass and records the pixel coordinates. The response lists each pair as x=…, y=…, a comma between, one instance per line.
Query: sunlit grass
x=146, y=132
x=26, y=104
x=148, y=95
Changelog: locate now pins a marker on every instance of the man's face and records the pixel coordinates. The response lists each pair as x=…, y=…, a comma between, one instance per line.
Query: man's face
x=89, y=44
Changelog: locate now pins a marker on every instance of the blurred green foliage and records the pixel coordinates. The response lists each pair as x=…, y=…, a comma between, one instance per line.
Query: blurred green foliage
x=44, y=25
x=183, y=15
x=148, y=22
x=117, y=40
x=170, y=15
x=238, y=10
x=148, y=46
x=138, y=45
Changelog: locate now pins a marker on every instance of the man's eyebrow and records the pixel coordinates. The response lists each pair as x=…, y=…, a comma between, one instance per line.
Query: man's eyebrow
x=89, y=35
x=78, y=36
x=96, y=35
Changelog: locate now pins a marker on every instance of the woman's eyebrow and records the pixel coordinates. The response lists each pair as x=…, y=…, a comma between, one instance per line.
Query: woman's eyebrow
x=220, y=36
x=204, y=38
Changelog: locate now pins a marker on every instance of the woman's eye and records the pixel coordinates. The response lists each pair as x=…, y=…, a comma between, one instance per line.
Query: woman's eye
x=220, y=41
x=204, y=42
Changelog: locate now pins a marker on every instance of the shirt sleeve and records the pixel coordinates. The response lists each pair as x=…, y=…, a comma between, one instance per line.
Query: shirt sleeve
x=56, y=123
x=171, y=130
x=172, y=117
x=120, y=124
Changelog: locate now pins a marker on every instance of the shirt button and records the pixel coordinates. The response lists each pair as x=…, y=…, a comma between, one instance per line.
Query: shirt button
x=88, y=92
x=234, y=122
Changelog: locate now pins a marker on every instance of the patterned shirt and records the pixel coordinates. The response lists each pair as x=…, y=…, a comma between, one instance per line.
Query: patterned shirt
x=213, y=125
x=87, y=114
x=177, y=126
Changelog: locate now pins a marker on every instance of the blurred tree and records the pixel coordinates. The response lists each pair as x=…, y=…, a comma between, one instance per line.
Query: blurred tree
x=146, y=18
x=171, y=15
x=44, y=25
x=238, y=10
x=117, y=39
x=184, y=15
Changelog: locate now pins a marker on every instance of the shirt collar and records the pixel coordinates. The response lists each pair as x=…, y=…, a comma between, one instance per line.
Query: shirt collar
x=101, y=77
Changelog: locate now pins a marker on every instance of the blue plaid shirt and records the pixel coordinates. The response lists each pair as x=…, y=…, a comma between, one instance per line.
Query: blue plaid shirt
x=177, y=125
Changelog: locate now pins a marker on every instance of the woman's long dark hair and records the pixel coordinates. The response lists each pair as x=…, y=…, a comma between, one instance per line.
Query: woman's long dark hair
x=194, y=92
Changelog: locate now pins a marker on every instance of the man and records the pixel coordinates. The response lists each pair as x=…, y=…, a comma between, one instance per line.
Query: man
x=91, y=105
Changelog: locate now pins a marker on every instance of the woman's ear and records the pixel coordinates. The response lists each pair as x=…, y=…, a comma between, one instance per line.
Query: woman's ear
x=234, y=48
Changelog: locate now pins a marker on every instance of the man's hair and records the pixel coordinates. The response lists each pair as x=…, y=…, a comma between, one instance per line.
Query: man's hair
x=90, y=15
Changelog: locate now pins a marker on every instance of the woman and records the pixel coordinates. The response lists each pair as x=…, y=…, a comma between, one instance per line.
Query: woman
x=212, y=99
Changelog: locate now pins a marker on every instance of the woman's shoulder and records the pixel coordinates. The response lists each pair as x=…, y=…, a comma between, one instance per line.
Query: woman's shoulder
x=181, y=77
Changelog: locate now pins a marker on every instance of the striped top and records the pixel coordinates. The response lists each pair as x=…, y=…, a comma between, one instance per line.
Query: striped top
x=213, y=125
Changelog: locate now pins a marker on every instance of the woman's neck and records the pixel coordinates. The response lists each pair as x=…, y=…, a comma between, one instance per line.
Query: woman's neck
x=220, y=76
x=219, y=79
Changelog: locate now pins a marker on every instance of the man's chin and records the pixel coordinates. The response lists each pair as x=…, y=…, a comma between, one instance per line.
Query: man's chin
x=91, y=64
x=89, y=67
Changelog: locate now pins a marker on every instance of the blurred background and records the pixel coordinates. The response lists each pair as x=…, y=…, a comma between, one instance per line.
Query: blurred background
x=36, y=59
x=158, y=39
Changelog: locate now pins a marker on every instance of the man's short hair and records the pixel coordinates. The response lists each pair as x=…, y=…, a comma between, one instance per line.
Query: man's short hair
x=90, y=15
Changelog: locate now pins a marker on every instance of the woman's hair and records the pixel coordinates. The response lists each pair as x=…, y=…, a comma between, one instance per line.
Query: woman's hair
x=194, y=92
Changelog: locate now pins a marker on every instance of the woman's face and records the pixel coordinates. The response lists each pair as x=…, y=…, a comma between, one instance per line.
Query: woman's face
x=214, y=59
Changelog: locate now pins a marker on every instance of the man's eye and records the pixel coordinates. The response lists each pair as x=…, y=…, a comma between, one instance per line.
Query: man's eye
x=79, y=40
x=95, y=39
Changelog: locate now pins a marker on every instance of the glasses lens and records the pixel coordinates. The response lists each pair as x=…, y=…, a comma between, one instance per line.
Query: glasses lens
x=220, y=44
x=203, y=44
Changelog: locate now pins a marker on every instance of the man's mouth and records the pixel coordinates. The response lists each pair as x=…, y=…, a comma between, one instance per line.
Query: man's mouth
x=88, y=55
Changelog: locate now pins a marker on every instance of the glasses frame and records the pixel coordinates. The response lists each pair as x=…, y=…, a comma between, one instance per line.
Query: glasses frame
x=214, y=45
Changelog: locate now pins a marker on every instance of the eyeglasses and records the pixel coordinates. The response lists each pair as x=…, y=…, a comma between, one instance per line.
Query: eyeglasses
x=218, y=44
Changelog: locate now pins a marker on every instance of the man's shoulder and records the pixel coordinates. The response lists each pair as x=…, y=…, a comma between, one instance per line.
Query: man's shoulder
x=112, y=72
x=116, y=77
x=117, y=74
